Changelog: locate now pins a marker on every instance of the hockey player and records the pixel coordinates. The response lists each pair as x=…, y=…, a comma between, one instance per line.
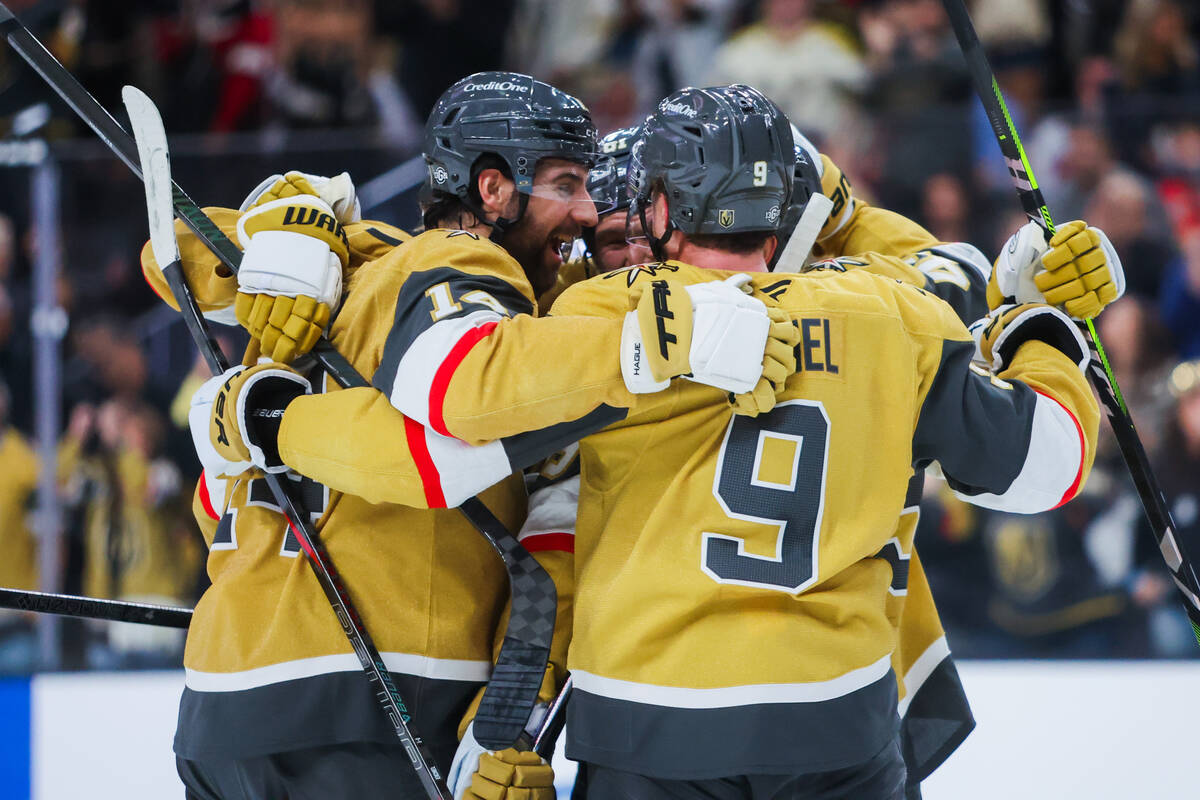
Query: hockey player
x=508, y=162
x=935, y=716
x=792, y=544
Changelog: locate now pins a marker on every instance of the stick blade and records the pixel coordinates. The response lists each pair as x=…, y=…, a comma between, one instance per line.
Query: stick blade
x=155, y=159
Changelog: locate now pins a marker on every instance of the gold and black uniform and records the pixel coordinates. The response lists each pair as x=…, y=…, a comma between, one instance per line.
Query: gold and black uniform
x=268, y=668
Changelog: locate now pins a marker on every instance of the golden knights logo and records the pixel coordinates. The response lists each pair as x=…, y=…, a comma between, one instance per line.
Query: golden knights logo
x=725, y=217
x=631, y=273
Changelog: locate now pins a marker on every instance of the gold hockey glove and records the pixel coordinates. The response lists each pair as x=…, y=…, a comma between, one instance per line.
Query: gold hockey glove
x=1083, y=273
x=248, y=410
x=1077, y=270
x=511, y=775
x=290, y=280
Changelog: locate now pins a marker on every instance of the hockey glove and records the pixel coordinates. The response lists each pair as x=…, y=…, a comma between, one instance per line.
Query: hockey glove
x=1077, y=270
x=714, y=333
x=290, y=280
x=1001, y=334
x=338, y=192
x=779, y=361
x=248, y=410
x=479, y=774
x=200, y=422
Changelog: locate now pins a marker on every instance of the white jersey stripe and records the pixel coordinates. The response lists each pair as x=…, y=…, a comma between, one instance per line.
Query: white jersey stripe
x=404, y=663
x=921, y=669
x=1052, y=464
x=421, y=361
x=465, y=470
x=678, y=697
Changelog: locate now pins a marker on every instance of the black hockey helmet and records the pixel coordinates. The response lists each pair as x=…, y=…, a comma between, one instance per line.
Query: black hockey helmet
x=512, y=116
x=808, y=210
x=723, y=155
x=609, y=181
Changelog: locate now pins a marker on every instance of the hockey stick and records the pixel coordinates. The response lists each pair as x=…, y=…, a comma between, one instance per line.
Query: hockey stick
x=552, y=723
x=151, y=142
x=69, y=605
x=1179, y=562
x=516, y=678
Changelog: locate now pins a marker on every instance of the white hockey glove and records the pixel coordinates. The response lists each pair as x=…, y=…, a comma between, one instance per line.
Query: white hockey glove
x=199, y=422
x=290, y=280
x=247, y=411
x=479, y=774
x=714, y=333
x=1077, y=270
x=1002, y=332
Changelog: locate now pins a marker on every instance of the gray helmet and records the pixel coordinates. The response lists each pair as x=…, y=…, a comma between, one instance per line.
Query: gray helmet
x=723, y=155
x=512, y=116
x=612, y=184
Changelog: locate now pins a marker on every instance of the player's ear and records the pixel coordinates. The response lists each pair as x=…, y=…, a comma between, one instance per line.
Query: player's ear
x=769, y=248
x=496, y=193
x=659, y=211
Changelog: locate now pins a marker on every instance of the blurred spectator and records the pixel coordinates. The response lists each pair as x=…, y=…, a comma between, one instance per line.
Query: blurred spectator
x=556, y=41
x=917, y=98
x=1138, y=351
x=1123, y=205
x=19, y=566
x=1177, y=466
x=1157, y=59
x=811, y=68
x=322, y=61
x=947, y=210
x=1179, y=298
x=138, y=542
x=444, y=40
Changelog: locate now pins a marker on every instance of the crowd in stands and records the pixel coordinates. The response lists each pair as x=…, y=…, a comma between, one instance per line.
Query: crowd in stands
x=1106, y=94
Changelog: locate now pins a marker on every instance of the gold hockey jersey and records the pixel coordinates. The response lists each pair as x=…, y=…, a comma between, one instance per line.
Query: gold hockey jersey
x=267, y=666
x=703, y=537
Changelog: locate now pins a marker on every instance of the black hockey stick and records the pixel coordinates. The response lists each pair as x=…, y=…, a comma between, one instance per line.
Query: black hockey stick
x=516, y=678
x=69, y=605
x=151, y=142
x=1179, y=561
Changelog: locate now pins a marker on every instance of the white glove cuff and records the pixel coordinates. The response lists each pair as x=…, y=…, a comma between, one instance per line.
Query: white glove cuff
x=1114, y=263
x=1018, y=261
x=311, y=267
x=465, y=763
x=727, y=346
x=199, y=422
x=634, y=367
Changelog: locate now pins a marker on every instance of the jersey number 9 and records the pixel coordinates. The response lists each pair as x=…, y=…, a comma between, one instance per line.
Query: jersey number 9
x=771, y=470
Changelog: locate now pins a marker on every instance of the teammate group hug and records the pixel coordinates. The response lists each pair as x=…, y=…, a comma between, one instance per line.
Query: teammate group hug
x=775, y=363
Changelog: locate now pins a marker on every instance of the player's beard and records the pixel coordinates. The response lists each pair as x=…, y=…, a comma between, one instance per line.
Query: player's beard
x=537, y=251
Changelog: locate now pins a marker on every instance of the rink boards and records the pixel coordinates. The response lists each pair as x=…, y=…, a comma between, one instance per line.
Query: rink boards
x=1046, y=730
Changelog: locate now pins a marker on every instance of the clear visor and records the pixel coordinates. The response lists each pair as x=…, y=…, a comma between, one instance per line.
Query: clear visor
x=566, y=182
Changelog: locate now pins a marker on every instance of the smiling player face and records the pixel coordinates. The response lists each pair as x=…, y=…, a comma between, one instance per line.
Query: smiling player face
x=559, y=208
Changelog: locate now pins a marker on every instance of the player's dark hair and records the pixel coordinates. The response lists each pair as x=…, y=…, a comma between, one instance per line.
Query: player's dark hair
x=741, y=243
